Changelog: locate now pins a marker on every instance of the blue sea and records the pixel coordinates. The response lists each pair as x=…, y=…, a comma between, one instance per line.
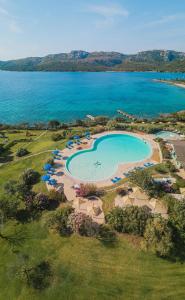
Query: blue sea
x=42, y=96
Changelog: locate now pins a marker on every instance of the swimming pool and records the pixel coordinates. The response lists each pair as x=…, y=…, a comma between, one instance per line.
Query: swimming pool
x=167, y=135
x=107, y=152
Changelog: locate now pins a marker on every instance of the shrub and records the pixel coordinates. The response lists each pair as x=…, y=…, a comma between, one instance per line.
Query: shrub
x=9, y=205
x=58, y=197
x=83, y=225
x=162, y=168
x=121, y=191
x=131, y=219
x=53, y=124
x=60, y=221
x=30, y=177
x=56, y=137
x=40, y=201
x=22, y=152
x=50, y=161
x=144, y=180
x=20, y=189
x=177, y=221
x=39, y=277
x=158, y=237
x=87, y=190
x=10, y=187
x=106, y=235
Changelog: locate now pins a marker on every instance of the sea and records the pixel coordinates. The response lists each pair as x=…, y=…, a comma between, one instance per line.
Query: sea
x=67, y=96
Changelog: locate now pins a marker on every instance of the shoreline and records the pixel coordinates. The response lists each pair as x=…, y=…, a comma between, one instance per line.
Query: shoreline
x=175, y=83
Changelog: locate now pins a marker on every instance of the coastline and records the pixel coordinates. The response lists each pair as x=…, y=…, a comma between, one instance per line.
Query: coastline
x=182, y=85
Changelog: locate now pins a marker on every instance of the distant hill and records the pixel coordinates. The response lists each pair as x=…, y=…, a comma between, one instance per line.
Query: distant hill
x=78, y=60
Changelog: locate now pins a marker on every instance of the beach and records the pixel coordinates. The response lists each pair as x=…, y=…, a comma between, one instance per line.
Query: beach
x=182, y=85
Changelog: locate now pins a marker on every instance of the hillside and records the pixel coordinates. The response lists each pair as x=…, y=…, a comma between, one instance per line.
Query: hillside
x=78, y=60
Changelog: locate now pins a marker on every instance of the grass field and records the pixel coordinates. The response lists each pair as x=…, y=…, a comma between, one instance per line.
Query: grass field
x=83, y=268
x=86, y=269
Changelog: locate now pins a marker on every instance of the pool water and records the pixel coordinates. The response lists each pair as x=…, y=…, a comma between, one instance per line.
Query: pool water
x=102, y=160
x=167, y=135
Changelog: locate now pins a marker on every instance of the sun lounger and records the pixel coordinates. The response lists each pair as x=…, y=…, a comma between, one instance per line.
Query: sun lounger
x=118, y=178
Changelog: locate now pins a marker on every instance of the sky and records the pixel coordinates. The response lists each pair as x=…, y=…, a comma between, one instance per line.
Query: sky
x=41, y=27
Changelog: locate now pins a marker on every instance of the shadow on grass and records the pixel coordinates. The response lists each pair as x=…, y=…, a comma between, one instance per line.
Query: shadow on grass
x=107, y=237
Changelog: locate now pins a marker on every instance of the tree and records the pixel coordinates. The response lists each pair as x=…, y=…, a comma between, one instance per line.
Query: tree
x=18, y=189
x=1, y=149
x=14, y=237
x=60, y=221
x=53, y=124
x=106, y=235
x=57, y=196
x=56, y=137
x=22, y=152
x=83, y=225
x=177, y=221
x=131, y=219
x=158, y=237
x=10, y=187
x=30, y=177
x=87, y=190
x=142, y=179
x=40, y=201
x=9, y=206
x=80, y=122
x=38, y=276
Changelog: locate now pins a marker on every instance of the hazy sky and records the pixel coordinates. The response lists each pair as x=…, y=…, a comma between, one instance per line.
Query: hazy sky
x=39, y=27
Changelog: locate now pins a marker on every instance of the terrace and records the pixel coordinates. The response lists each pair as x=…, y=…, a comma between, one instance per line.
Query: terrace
x=179, y=147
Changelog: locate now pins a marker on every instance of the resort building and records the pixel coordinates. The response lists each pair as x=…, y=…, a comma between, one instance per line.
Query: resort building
x=179, y=147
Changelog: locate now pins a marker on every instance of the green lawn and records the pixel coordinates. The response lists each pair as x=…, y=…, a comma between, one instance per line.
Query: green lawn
x=86, y=269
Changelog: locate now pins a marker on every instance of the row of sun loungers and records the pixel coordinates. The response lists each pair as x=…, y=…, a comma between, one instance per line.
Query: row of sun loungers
x=116, y=179
x=146, y=165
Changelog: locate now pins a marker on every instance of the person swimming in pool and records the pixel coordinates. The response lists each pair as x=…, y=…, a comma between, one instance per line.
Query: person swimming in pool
x=98, y=163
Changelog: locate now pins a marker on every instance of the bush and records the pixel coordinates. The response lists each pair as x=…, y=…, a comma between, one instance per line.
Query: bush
x=39, y=277
x=50, y=161
x=22, y=152
x=177, y=221
x=20, y=189
x=180, y=183
x=83, y=225
x=9, y=206
x=158, y=237
x=54, y=124
x=60, y=221
x=30, y=177
x=56, y=137
x=162, y=168
x=121, y=191
x=106, y=235
x=131, y=219
x=144, y=180
x=40, y=201
x=58, y=197
x=87, y=190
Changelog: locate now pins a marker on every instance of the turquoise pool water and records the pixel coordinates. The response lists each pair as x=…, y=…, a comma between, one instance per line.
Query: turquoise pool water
x=102, y=160
x=167, y=135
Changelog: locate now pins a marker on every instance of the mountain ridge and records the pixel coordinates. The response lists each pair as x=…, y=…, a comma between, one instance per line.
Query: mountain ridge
x=80, y=60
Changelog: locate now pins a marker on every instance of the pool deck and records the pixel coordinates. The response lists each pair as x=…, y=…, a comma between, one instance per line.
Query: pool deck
x=64, y=178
